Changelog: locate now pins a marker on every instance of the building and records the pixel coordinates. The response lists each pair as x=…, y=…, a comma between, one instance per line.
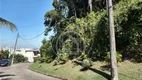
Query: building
x=26, y=52
x=29, y=53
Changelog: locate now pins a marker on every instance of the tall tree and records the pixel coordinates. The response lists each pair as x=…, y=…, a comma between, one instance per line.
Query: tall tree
x=9, y=24
x=90, y=5
x=114, y=73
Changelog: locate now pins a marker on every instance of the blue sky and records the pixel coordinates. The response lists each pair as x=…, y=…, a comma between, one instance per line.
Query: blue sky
x=28, y=16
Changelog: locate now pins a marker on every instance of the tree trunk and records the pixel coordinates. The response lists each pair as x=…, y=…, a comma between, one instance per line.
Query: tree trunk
x=114, y=73
x=90, y=5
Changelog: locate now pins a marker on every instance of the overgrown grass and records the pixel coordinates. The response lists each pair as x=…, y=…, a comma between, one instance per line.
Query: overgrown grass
x=127, y=71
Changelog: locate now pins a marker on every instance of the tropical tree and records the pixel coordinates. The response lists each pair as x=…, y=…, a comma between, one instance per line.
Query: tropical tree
x=9, y=24
x=4, y=54
x=90, y=28
x=114, y=73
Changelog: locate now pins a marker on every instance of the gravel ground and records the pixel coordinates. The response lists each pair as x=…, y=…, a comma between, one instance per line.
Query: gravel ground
x=21, y=72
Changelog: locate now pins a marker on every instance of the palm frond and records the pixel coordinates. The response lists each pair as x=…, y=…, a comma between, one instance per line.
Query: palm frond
x=9, y=24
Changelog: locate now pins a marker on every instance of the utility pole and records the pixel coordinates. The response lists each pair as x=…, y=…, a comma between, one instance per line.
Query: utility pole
x=114, y=73
x=15, y=48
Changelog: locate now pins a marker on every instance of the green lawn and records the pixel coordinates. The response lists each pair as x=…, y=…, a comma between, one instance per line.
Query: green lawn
x=127, y=71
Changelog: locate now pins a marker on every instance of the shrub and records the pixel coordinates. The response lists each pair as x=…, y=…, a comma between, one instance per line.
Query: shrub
x=43, y=59
x=25, y=59
x=87, y=63
x=36, y=59
x=48, y=59
x=82, y=57
x=61, y=58
x=19, y=58
x=118, y=56
x=65, y=56
x=5, y=54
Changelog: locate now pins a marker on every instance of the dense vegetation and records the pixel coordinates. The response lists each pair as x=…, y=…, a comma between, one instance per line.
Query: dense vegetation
x=4, y=54
x=83, y=34
x=18, y=58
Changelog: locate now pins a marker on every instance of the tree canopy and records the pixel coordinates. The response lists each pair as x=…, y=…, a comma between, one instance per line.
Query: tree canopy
x=81, y=31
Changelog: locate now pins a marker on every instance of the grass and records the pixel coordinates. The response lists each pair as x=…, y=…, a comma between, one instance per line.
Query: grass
x=130, y=71
x=127, y=71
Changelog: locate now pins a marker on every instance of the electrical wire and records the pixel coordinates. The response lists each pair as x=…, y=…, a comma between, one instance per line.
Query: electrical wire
x=33, y=37
x=27, y=42
x=10, y=42
x=38, y=41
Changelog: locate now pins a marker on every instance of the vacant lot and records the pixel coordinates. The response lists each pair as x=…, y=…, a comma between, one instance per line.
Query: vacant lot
x=99, y=71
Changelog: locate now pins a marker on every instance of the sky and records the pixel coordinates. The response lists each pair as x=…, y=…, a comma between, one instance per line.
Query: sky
x=28, y=16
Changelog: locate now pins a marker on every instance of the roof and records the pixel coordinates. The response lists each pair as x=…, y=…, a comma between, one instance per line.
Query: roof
x=32, y=50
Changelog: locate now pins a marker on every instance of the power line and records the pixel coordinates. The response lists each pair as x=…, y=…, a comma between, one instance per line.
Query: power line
x=10, y=42
x=30, y=39
x=31, y=26
x=34, y=37
x=27, y=42
x=38, y=41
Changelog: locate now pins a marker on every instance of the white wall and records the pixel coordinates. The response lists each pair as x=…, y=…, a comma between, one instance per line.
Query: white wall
x=30, y=56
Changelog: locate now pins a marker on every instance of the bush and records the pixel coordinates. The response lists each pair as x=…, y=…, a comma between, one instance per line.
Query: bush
x=19, y=58
x=48, y=59
x=82, y=57
x=36, y=59
x=5, y=54
x=65, y=56
x=118, y=56
x=43, y=59
x=25, y=59
x=61, y=59
x=87, y=63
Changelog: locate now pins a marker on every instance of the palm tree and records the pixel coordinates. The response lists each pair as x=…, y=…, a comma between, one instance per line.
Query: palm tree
x=9, y=24
x=114, y=72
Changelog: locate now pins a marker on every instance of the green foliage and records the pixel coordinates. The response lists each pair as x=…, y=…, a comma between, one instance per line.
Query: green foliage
x=5, y=54
x=36, y=59
x=82, y=57
x=87, y=63
x=10, y=25
x=67, y=47
x=61, y=59
x=128, y=28
x=19, y=58
x=118, y=57
x=65, y=56
x=47, y=51
x=128, y=31
x=44, y=59
x=87, y=33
